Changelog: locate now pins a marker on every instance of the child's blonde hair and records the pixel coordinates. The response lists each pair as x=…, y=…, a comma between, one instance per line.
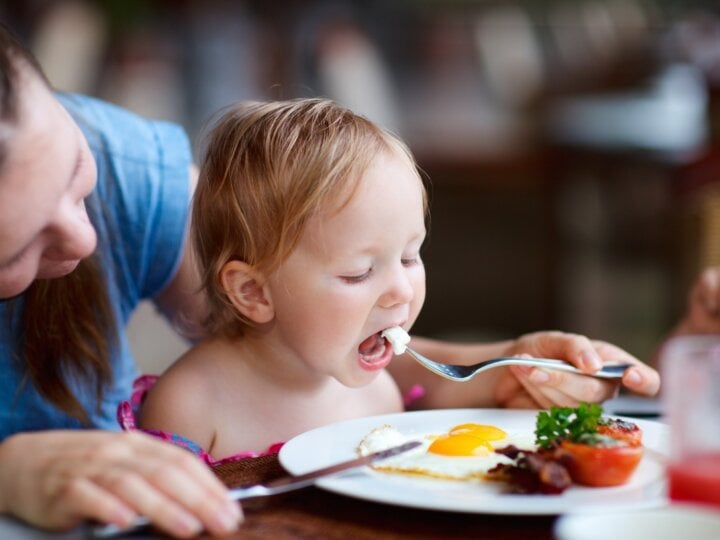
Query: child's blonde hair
x=269, y=167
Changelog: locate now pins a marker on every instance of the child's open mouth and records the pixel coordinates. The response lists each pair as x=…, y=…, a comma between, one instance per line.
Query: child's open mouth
x=375, y=352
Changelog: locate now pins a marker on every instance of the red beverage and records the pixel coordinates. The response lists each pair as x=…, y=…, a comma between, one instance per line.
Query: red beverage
x=696, y=479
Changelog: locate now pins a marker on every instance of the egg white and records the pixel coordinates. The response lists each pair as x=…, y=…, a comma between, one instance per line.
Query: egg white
x=423, y=463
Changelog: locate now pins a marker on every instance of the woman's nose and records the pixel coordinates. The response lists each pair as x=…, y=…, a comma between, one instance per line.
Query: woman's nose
x=399, y=291
x=74, y=236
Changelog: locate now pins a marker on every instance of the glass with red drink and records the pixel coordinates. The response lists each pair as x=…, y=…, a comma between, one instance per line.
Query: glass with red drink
x=690, y=367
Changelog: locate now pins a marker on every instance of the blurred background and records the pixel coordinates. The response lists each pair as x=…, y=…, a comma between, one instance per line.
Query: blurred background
x=571, y=146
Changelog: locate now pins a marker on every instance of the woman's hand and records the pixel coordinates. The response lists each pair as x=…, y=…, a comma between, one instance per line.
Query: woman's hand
x=57, y=479
x=529, y=387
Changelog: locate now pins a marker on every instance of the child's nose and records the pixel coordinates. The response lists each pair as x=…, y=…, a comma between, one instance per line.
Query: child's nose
x=399, y=291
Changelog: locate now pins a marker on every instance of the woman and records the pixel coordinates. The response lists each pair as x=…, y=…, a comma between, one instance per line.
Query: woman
x=76, y=363
x=93, y=211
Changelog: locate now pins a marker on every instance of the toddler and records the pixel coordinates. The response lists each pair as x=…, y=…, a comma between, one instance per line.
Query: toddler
x=307, y=223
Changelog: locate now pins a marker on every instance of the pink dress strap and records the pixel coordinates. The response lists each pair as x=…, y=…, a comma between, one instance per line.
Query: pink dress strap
x=415, y=392
x=127, y=414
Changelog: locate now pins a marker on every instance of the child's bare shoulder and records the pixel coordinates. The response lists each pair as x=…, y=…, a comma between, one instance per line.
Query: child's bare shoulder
x=193, y=371
x=183, y=397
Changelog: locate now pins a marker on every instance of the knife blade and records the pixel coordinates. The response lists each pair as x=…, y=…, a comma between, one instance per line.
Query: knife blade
x=275, y=487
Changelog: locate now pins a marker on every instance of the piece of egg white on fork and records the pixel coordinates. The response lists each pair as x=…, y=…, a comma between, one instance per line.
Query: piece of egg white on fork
x=397, y=337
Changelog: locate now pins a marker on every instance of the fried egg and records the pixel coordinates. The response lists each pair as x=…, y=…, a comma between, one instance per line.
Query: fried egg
x=464, y=452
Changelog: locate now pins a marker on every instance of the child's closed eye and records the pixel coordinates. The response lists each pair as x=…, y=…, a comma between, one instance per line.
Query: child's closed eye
x=411, y=261
x=357, y=278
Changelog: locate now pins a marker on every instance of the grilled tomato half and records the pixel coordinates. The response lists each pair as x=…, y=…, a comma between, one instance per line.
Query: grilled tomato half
x=599, y=460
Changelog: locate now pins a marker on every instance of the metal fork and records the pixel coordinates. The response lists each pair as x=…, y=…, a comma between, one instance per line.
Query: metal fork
x=465, y=373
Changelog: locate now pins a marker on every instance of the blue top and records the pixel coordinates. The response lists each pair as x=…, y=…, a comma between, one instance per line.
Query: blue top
x=140, y=210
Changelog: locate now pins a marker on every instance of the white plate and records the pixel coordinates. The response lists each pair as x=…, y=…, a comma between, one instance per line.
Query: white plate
x=676, y=521
x=337, y=442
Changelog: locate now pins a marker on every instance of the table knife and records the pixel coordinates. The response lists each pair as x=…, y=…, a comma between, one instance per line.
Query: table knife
x=275, y=487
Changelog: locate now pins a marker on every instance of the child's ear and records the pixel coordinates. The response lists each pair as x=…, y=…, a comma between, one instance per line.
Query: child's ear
x=246, y=289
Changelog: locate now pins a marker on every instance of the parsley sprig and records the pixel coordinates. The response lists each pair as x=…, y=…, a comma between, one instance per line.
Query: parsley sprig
x=566, y=423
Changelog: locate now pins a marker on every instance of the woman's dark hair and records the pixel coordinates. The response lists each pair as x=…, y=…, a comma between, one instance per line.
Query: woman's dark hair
x=11, y=52
x=67, y=325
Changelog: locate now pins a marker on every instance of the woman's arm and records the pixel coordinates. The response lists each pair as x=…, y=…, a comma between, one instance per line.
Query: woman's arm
x=181, y=302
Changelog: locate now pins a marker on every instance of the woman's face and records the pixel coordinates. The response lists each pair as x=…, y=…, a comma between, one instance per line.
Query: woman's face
x=47, y=173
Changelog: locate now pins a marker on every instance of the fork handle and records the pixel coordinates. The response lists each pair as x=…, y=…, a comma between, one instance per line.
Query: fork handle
x=610, y=371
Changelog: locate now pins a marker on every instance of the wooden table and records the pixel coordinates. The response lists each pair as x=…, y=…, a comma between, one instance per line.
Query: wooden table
x=315, y=513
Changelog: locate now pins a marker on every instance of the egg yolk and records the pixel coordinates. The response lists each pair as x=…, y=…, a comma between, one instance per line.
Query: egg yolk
x=460, y=445
x=487, y=433
x=467, y=440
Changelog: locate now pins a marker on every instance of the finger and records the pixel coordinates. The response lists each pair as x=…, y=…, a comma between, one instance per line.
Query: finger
x=612, y=353
x=175, y=475
x=642, y=380
x=523, y=375
x=173, y=480
x=510, y=393
x=575, y=387
x=710, y=279
x=161, y=510
x=201, y=490
x=543, y=397
x=81, y=500
x=567, y=389
x=182, y=459
x=704, y=293
x=576, y=349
